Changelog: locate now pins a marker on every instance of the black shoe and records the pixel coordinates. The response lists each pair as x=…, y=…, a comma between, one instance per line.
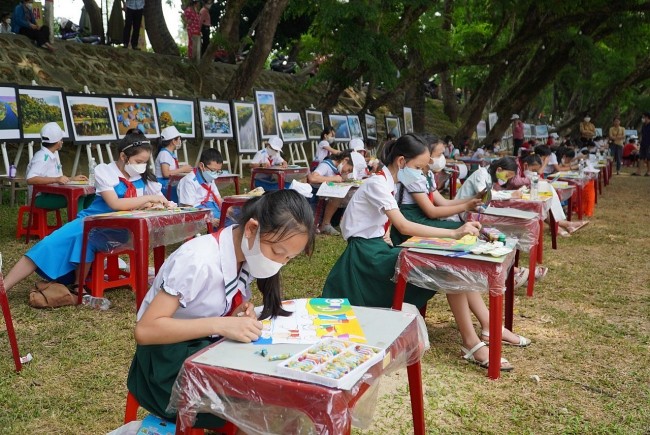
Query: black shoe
x=634, y=174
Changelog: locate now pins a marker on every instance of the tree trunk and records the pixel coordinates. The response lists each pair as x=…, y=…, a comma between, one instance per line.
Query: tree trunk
x=95, y=18
x=243, y=79
x=449, y=103
x=161, y=40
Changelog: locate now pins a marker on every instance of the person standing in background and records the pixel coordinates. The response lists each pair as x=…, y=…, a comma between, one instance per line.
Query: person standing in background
x=644, y=149
x=193, y=25
x=5, y=23
x=616, y=142
x=204, y=19
x=517, y=134
x=587, y=131
x=133, y=10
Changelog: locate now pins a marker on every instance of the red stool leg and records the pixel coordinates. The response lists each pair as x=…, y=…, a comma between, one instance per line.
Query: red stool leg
x=13, y=343
x=414, y=373
x=131, y=411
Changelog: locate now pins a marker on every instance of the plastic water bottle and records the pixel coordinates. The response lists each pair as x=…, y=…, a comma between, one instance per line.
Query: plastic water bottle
x=91, y=173
x=581, y=168
x=12, y=171
x=534, y=186
x=101, y=304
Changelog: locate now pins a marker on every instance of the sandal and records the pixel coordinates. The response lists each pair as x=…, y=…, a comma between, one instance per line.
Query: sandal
x=468, y=355
x=523, y=341
x=521, y=277
x=74, y=289
x=563, y=233
x=577, y=227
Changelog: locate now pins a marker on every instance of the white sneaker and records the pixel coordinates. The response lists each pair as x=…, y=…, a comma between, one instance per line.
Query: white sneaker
x=328, y=229
x=521, y=277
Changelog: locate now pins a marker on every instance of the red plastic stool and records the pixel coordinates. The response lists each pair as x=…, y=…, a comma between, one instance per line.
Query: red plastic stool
x=112, y=276
x=231, y=201
x=40, y=227
x=131, y=413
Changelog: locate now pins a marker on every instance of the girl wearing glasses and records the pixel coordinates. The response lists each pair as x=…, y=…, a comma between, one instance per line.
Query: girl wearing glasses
x=198, y=189
x=125, y=184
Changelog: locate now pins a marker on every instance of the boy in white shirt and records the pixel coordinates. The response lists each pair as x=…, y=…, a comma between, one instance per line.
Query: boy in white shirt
x=270, y=155
x=197, y=189
x=45, y=168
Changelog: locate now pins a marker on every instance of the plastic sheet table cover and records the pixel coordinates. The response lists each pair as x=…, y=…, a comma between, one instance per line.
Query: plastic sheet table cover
x=526, y=231
x=564, y=193
x=259, y=402
x=114, y=230
x=453, y=274
x=541, y=207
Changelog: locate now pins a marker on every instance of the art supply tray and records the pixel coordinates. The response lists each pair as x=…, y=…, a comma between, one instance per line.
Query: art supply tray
x=331, y=362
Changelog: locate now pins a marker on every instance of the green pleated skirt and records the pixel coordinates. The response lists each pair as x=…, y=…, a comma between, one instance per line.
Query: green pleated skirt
x=153, y=373
x=364, y=274
x=414, y=213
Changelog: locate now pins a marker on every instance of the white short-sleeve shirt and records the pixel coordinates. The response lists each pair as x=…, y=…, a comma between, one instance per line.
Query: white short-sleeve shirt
x=550, y=166
x=190, y=191
x=360, y=166
x=164, y=157
x=45, y=163
x=321, y=152
x=203, y=274
x=365, y=215
x=262, y=156
x=478, y=154
x=107, y=176
x=478, y=181
x=326, y=169
x=420, y=186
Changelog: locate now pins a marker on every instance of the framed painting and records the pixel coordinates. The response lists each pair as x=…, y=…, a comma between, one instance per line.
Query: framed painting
x=179, y=113
x=135, y=112
x=408, y=120
x=216, y=120
x=38, y=106
x=355, y=127
x=341, y=128
x=371, y=127
x=91, y=118
x=392, y=126
x=315, y=124
x=9, y=115
x=245, y=126
x=267, y=113
x=291, y=127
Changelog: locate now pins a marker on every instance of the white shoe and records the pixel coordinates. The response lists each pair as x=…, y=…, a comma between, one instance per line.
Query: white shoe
x=521, y=277
x=328, y=229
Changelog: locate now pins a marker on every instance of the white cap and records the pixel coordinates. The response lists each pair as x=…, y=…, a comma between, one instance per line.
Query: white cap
x=51, y=133
x=276, y=143
x=634, y=137
x=169, y=133
x=513, y=117
x=555, y=135
x=357, y=144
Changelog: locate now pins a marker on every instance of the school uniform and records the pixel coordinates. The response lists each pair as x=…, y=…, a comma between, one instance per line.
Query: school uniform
x=165, y=157
x=45, y=163
x=263, y=157
x=412, y=211
x=364, y=272
x=360, y=170
x=203, y=274
x=59, y=254
x=195, y=191
x=321, y=152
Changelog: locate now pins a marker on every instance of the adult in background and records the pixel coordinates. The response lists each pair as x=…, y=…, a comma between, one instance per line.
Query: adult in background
x=644, y=149
x=204, y=19
x=133, y=10
x=587, y=131
x=631, y=152
x=5, y=23
x=517, y=134
x=616, y=142
x=192, y=24
x=24, y=23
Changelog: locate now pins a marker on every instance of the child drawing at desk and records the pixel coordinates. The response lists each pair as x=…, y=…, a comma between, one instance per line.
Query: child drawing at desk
x=166, y=163
x=202, y=289
x=197, y=189
x=269, y=157
x=364, y=271
x=125, y=184
x=45, y=168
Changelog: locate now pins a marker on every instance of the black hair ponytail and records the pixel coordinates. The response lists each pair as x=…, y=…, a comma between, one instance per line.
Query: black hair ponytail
x=409, y=145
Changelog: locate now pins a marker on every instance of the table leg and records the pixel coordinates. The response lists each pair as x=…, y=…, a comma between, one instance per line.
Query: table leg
x=400, y=285
x=510, y=293
x=281, y=181
x=414, y=372
x=30, y=221
x=72, y=206
x=540, y=244
x=532, y=265
x=452, y=185
x=141, y=246
x=496, y=334
x=554, y=228
x=580, y=204
x=9, y=324
x=236, y=185
x=569, y=208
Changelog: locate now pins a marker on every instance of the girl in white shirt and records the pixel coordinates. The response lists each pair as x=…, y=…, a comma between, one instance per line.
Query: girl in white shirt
x=166, y=163
x=324, y=147
x=202, y=289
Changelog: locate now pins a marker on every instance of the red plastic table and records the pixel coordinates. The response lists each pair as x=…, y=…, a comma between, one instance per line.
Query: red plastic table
x=542, y=208
x=236, y=394
x=283, y=175
x=219, y=181
x=461, y=274
x=150, y=230
x=11, y=333
x=579, y=183
x=71, y=192
x=231, y=201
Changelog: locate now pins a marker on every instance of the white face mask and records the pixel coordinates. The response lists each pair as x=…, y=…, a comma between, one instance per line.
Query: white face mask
x=135, y=169
x=438, y=164
x=330, y=140
x=530, y=174
x=258, y=265
x=587, y=119
x=178, y=145
x=272, y=152
x=340, y=168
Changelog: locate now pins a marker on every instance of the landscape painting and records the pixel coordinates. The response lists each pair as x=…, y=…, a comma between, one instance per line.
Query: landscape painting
x=135, y=112
x=9, y=118
x=341, y=128
x=179, y=113
x=291, y=127
x=371, y=127
x=92, y=120
x=267, y=113
x=355, y=127
x=315, y=124
x=392, y=126
x=408, y=120
x=246, y=127
x=216, y=121
x=38, y=106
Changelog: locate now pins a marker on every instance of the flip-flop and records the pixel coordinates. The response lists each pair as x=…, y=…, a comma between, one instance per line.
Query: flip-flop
x=563, y=233
x=468, y=355
x=574, y=229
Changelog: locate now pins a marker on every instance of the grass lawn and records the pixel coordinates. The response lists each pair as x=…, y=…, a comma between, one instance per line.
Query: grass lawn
x=589, y=321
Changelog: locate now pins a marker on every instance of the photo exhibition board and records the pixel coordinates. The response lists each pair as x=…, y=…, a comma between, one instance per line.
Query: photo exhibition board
x=371, y=127
x=216, y=119
x=315, y=124
x=339, y=124
x=245, y=126
x=39, y=106
x=267, y=113
x=135, y=112
x=179, y=113
x=9, y=113
x=291, y=127
x=91, y=118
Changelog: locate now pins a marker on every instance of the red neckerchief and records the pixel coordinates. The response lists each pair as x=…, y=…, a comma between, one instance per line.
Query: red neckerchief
x=207, y=187
x=238, y=299
x=381, y=172
x=131, y=191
